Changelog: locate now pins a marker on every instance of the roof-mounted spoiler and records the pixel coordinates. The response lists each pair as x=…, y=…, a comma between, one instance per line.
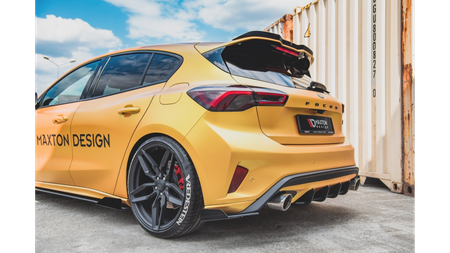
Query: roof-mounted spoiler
x=274, y=37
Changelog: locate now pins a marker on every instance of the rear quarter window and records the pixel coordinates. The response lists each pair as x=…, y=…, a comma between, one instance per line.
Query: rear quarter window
x=161, y=68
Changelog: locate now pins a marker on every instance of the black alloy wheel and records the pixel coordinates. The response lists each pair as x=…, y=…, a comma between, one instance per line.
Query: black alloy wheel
x=163, y=189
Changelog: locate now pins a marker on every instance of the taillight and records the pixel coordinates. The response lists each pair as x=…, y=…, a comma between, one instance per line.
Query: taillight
x=269, y=97
x=236, y=98
x=342, y=108
x=238, y=177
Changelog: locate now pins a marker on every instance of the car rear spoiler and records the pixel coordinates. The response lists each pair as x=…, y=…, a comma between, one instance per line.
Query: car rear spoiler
x=258, y=35
x=274, y=36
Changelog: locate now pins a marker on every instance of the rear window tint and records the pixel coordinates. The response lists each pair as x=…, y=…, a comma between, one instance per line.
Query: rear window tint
x=261, y=60
x=161, y=68
x=122, y=72
x=268, y=76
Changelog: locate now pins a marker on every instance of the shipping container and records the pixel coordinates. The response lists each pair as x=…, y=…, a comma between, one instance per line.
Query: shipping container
x=282, y=27
x=364, y=54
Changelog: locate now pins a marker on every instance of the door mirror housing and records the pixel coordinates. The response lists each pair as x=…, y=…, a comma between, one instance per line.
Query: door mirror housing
x=33, y=99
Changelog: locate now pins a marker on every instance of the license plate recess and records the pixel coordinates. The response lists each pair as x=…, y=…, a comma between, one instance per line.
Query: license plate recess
x=308, y=124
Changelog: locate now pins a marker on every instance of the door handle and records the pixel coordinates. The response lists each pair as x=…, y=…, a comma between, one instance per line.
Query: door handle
x=129, y=109
x=60, y=119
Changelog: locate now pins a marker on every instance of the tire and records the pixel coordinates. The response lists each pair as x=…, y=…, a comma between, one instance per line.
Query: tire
x=163, y=189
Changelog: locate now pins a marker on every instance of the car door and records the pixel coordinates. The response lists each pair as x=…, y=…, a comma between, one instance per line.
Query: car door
x=53, y=116
x=103, y=125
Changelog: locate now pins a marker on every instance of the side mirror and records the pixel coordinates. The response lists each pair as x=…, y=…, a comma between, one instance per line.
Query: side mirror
x=33, y=99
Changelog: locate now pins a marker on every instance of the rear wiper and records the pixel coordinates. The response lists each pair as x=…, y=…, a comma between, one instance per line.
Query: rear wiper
x=316, y=86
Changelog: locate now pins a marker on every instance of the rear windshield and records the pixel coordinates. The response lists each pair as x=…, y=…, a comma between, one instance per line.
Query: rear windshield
x=261, y=60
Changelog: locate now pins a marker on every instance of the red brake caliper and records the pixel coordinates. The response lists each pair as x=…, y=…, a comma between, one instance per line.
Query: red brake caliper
x=178, y=173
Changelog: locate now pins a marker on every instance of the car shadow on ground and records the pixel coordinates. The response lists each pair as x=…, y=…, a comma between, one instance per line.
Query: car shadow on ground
x=268, y=224
x=295, y=220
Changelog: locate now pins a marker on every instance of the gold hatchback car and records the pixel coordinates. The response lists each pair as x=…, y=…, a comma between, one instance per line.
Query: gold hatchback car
x=188, y=133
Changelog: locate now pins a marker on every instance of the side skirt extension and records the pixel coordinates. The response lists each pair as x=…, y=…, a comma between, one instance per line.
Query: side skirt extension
x=217, y=214
x=113, y=203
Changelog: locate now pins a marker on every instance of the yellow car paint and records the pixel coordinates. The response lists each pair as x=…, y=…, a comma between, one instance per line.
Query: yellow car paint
x=264, y=140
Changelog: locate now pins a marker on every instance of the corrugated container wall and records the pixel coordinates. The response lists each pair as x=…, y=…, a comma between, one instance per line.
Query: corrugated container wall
x=357, y=47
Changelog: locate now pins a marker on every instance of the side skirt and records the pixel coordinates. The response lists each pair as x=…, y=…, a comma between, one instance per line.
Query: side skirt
x=110, y=202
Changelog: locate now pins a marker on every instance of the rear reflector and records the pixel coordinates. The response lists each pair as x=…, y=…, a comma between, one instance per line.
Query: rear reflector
x=236, y=98
x=238, y=177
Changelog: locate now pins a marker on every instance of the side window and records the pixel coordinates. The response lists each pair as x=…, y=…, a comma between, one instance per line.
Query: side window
x=161, y=68
x=71, y=87
x=122, y=72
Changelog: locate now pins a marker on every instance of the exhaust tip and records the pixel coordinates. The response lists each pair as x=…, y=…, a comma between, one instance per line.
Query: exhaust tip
x=354, y=184
x=280, y=202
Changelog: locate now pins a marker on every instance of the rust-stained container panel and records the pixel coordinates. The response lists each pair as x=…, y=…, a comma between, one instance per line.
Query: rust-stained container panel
x=407, y=98
x=282, y=27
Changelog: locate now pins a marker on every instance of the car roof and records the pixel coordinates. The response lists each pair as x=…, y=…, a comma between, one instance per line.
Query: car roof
x=172, y=48
x=186, y=48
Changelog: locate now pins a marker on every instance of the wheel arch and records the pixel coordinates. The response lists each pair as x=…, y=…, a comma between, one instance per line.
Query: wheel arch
x=138, y=143
x=123, y=176
x=121, y=188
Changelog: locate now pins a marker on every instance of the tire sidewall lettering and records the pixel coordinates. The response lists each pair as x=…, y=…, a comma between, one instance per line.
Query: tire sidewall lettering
x=187, y=200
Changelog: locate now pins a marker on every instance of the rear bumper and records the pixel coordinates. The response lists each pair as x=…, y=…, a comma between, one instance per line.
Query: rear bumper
x=222, y=141
x=303, y=194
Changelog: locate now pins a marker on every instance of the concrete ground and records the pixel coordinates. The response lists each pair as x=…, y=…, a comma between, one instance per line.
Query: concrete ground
x=372, y=219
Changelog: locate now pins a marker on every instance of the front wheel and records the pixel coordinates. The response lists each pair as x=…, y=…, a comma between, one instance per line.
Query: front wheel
x=163, y=188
